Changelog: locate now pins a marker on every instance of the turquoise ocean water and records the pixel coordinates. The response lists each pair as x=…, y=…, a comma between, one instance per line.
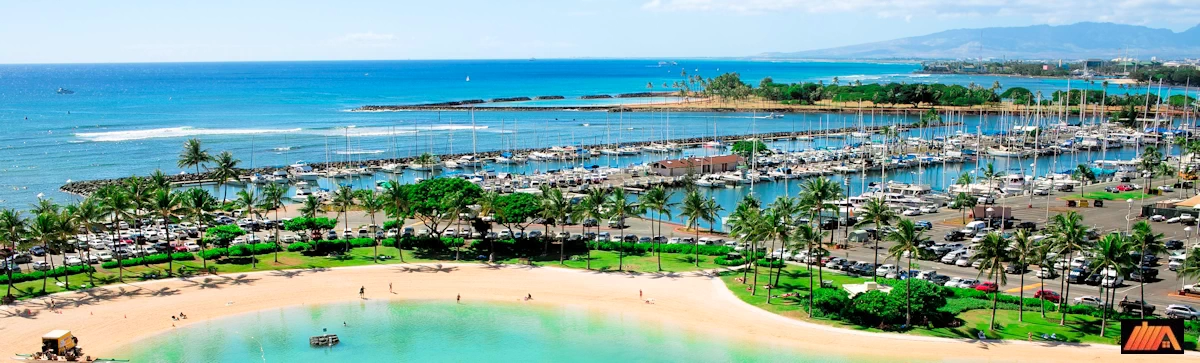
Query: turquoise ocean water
x=447, y=332
x=126, y=119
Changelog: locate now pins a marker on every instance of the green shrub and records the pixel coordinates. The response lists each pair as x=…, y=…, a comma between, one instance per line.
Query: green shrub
x=771, y=263
x=642, y=248
x=730, y=262
x=299, y=247
x=212, y=253
x=830, y=301
x=38, y=275
x=151, y=259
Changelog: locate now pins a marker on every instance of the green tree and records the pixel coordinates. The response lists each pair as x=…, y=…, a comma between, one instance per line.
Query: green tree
x=1149, y=163
x=397, y=198
x=117, y=203
x=992, y=253
x=1148, y=243
x=749, y=148
x=272, y=200
x=224, y=170
x=12, y=228
x=166, y=206
x=658, y=200
x=89, y=215
x=1112, y=257
x=372, y=203
x=595, y=202
x=43, y=231
x=199, y=205
x=619, y=206
x=693, y=210
x=907, y=241
x=432, y=200
x=1068, y=234
x=785, y=209
x=555, y=209
x=517, y=210
x=1083, y=174
x=193, y=155
x=343, y=198
x=310, y=207
x=964, y=202
x=815, y=197
x=990, y=174
x=807, y=236
x=878, y=213
x=1023, y=249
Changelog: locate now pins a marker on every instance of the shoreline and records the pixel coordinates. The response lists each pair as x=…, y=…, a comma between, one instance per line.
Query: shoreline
x=693, y=300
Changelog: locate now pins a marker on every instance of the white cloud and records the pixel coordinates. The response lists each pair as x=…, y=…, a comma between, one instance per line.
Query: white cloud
x=1145, y=12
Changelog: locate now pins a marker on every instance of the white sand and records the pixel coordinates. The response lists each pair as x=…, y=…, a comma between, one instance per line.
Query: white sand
x=105, y=319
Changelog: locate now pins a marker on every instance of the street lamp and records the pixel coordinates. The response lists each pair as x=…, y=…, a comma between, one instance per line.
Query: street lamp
x=989, y=216
x=1032, y=187
x=1128, y=214
x=1187, y=242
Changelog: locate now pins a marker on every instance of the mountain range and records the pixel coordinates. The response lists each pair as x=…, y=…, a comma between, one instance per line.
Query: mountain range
x=1074, y=41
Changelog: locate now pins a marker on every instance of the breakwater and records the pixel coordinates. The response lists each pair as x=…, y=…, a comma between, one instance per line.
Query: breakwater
x=87, y=187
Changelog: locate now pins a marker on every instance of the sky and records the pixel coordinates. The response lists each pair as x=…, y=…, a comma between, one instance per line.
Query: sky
x=89, y=31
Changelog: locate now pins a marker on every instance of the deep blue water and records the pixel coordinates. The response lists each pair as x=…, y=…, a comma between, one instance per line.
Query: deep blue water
x=127, y=119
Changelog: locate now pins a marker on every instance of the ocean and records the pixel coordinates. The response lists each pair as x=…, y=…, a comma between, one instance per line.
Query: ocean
x=130, y=119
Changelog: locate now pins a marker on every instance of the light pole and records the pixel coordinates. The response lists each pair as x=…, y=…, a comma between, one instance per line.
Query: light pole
x=1128, y=213
x=1187, y=241
x=989, y=216
x=1033, y=187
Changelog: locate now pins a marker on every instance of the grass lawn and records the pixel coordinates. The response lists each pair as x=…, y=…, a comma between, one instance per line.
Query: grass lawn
x=1079, y=328
x=1106, y=196
x=601, y=260
x=608, y=261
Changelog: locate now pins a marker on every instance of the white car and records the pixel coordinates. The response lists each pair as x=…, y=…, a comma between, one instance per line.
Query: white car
x=886, y=269
x=73, y=261
x=1045, y=274
x=911, y=212
x=192, y=247
x=1184, y=218
x=1181, y=311
x=929, y=209
x=41, y=266
x=962, y=261
x=1192, y=289
x=1158, y=218
x=105, y=255
x=968, y=284
x=1112, y=281
x=1172, y=220
x=953, y=282
x=1088, y=300
x=1166, y=188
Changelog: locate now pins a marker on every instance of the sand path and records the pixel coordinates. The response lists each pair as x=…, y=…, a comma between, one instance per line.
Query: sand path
x=108, y=318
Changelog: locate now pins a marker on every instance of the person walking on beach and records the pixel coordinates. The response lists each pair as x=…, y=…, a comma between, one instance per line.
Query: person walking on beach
x=390, y=288
x=362, y=292
x=458, y=299
x=639, y=293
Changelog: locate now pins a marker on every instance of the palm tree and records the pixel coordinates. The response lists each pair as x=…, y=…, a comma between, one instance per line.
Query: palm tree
x=272, y=200
x=139, y=191
x=198, y=204
x=743, y=225
x=785, y=209
x=488, y=205
x=159, y=180
x=815, y=197
x=658, y=200
x=310, y=207
x=343, y=198
x=193, y=155
x=372, y=203
x=1149, y=161
x=1149, y=244
x=712, y=213
x=224, y=171
x=693, y=211
x=1068, y=235
x=89, y=215
x=44, y=206
x=595, y=201
x=1112, y=256
x=43, y=230
x=1023, y=249
x=964, y=201
x=116, y=202
x=555, y=208
x=1084, y=174
x=248, y=201
x=619, y=206
x=395, y=196
x=877, y=212
x=66, y=227
x=12, y=227
x=807, y=236
x=907, y=241
x=166, y=205
x=990, y=174
x=992, y=253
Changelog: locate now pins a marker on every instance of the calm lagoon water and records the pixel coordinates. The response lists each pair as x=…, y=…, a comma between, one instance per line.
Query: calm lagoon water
x=445, y=332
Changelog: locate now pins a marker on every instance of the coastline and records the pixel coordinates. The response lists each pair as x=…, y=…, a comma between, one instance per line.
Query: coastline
x=125, y=314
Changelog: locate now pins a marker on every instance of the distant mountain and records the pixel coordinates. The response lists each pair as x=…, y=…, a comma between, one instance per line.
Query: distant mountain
x=1080, y=40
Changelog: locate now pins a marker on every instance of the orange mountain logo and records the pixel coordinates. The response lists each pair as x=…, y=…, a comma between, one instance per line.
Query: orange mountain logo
x=1158, y=336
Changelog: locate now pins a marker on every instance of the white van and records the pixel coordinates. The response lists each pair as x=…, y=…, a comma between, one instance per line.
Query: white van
x=952, y=256
x=974, y=227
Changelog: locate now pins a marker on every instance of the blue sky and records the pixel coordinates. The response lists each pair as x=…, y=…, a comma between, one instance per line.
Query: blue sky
x=73, y=31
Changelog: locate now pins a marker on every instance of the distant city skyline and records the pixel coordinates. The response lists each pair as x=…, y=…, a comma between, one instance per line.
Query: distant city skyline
x=79, y=31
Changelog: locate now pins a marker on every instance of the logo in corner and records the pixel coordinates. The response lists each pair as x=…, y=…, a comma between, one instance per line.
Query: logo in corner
x=1154, y=336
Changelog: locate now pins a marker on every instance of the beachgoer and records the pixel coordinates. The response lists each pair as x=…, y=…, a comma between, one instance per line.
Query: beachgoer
x=362, y=291
x=390, y=288
x=344, y=324
x=1031, y=336
x=458, y=298
x=173, y=317
x=639, y=293
x=529, y=297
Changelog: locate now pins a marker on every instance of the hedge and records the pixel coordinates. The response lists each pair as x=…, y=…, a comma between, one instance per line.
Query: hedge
x=155, y=258
x=38, y=275
x=728, y=262
x=667, y=248
x=771, y=263
x=238, y=251
x=299, y=247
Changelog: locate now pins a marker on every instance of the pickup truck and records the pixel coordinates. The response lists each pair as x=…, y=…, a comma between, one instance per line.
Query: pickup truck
x=1134, y=306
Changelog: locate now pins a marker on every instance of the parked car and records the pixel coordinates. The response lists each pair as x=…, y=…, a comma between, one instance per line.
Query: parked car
x=73, y=261
x=104, y=256
x=1158, y=218
x=939, y=279
x=968, y=283
x=1136, y=306
x=886, y=269
x=1014, y=268
x=37, y=251
x=923, y=225
x=1191, y=289
x=1173, y=244
x=1047, y=295
x=1181, y=311
x=1088, y=300
x=955, y=236
x=987, y=287
x=40, y=266
x=953, y=282
x=1144, y=274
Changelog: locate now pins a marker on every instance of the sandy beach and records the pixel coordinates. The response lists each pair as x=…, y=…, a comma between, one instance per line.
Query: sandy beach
x=106, y=319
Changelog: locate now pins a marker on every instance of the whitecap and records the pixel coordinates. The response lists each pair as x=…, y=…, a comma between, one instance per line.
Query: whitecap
x=172, y=132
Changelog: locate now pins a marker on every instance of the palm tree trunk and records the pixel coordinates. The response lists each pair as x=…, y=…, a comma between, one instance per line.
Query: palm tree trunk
x=810, y=282
x=1062, y=297
x=875, y=277
x=908, y=295
x=621, y=248
x=754, y=263
x=1061, y=303
x=277, y=248
x=562, y=246
x=695, y=248
x=374, y=236
x=117, y=234
x=1021, y=298
x=46, y=276
x=992, y=325
x=1042, y=300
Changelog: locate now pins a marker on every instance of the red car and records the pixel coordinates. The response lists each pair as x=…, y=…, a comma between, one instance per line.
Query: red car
x=1124, y=187
x=1047, y=295
x=987, y=287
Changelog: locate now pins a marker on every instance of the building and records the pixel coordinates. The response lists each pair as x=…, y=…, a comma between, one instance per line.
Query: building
x=699, y=165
